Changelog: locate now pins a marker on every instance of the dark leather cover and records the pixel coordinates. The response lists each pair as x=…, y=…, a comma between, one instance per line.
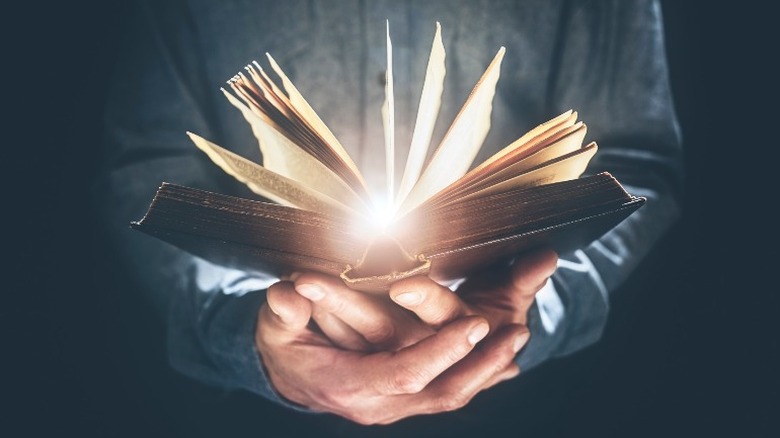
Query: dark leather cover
x=195, y=227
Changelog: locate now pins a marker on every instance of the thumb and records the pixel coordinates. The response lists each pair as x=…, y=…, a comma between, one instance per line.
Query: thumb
x=290, y=311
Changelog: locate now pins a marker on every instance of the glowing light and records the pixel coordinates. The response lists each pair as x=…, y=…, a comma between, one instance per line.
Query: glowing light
x=383, y=213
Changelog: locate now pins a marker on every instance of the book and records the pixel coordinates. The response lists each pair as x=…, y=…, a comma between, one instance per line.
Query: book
x=443, y=218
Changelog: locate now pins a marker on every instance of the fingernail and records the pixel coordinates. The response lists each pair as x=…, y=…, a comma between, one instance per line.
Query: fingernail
x=512, y=375
x=278, y=314
x=408, y=298
x=310, y=291
x=520, y=341
x=294, y=276
x=478, y=333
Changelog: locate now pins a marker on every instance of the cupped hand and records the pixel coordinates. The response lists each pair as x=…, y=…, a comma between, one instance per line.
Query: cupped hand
x=502, y=296
x=440, y=372
x=416, y=307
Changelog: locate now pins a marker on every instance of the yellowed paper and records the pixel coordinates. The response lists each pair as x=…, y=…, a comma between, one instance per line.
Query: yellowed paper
x=566, y=119
x=388, y=122
x=260, y=91
x=463, y=140
x=269, y=184
x=263, y=84
x=310, y=116
x=560, y=146
x=427, y=113
x=569, y=167
x=282, y=156
x=275, y=88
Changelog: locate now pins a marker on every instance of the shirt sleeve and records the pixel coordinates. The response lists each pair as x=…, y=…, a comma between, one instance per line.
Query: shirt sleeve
x=156, y=96
x=609, y=64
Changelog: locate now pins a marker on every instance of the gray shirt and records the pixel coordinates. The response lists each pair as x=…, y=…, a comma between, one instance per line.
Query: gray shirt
x=604, y=59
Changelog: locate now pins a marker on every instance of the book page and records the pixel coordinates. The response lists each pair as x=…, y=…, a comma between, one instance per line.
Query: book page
x=564, y=145
x=270, y=184
x=427, y=113
x=310, y=116
x=282, y=156
x=388, y=123
x=269, y=102
x=564, y=168
x=462, y=141
x=563, y=142
x=524, y=151
x=262, y=85
x=566, y=119
x=529, y=144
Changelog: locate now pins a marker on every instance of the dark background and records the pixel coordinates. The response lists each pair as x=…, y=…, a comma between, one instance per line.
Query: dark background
x=688, y=351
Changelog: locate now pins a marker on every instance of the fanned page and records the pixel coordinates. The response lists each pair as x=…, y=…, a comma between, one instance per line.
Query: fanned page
x=567, y=141
x=519, y=150
x=566, y=119
x=307, y=112
x=427, y=113
x=269, y=184
x=462, y=141
x=388, y=122
x=292, y=118
x=282, y=156
x=564, y=168
x=547, y=144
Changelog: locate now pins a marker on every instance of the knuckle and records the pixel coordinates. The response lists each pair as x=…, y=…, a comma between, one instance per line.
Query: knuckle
x=451, y=401
x=439, y=315
x=443, y=306
x=382, y=332
x=500, y=365
x=501, y=357
x=407, y=381
x=333, y=303
x=459, y=350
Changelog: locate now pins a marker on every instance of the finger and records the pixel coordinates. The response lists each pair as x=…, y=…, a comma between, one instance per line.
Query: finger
x=411, y=369
x=487, y=365
x=531, y=271
x=459, y=384
x=363, y=312
x=510, y=372
x=433, y=303
x=341, y=334
x=286, y=313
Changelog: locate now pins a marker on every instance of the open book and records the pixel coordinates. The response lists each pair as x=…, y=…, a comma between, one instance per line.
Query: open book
x=441, y=219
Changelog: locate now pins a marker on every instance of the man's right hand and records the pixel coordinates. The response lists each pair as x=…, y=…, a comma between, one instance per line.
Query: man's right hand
x=433, y=375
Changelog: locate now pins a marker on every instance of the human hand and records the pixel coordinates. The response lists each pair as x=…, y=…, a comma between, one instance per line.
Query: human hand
x=366, y=322
x=433, y=375
x=500, y=296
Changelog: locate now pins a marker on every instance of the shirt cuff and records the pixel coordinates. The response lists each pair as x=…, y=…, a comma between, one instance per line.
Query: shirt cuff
x=212, y=330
